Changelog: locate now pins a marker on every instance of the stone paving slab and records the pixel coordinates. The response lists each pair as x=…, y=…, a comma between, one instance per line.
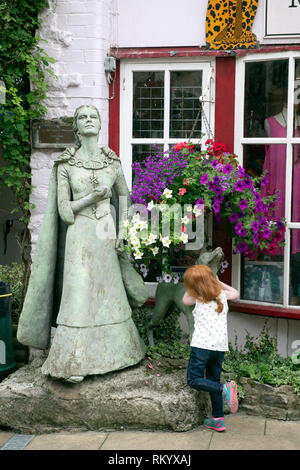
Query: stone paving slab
x=4, y=437
x=283, y=428
x=76, y=441
x=245, y=425
x=191, y=440
x=231, y=441
x=243, y=433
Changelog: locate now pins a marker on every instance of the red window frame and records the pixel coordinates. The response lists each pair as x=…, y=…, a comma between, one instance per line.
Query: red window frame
x=224, y=132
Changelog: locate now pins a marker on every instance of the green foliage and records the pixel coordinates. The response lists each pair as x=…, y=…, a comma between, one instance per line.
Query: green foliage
x=14, y=276
x=167, y=335
x=22, y=61
x=261, y=362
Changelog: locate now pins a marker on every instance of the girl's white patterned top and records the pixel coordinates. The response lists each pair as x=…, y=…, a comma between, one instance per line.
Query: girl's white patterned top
x=210, y=331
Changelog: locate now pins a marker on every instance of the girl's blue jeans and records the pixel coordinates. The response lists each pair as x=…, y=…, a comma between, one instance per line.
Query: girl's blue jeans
x=206, y=362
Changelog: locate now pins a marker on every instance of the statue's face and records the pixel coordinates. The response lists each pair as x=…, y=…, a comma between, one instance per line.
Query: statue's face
x=88, y=122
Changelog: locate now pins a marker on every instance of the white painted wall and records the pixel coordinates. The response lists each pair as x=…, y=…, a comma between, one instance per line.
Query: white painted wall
x=174, y=23
x=143, y=23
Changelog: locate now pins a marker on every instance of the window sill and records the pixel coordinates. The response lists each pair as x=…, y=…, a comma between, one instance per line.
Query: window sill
x=265, y=310
x=254, y=309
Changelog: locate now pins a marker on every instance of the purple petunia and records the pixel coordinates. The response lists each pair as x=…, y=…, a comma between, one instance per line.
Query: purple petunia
x=256, y=196
x=255, y=226
x=200, y=202
x=239, y=185
x=280, y=225
x=227, y=168
x=211, y=186
x=256, y=239
x=204, y=179
x=239, y=226
x=248, y=183
x=243, y=204
x=240, y=229
x=234, y=217
x=264, y=181
x=241, y=171
x=214, y=163
x=219, y=199
x=216, y=207
x=242, y=247
x=266, y=233
x=260, y=206
x=262, y=221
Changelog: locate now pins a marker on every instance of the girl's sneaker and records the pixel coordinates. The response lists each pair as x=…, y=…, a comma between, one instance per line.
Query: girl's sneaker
x=215, y=423
x=230, y=395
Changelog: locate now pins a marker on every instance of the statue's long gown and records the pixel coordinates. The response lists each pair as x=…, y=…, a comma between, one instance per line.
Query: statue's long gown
x=95, y=332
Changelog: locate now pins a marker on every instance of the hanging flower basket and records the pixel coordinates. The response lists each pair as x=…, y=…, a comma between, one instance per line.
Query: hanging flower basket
x=196, y=180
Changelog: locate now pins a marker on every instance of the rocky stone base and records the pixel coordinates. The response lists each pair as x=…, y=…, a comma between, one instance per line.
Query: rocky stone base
x=136, y=398
x=133, y=399
x=269, y=402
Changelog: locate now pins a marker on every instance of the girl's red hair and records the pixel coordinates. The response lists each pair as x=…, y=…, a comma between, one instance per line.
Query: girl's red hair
x=201, y=283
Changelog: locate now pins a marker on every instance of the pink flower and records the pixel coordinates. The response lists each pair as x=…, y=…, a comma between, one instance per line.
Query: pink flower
x=181, y=191
x=186, y=182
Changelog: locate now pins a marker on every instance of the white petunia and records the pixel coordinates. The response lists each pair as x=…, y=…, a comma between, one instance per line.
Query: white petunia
x=151, y=239
x=166, y=241
x=150, y=206
x=189, y=208
x=136, y=218
x=167, y=193
x=155, y=250
x=141, y=225
x=126, y=223
x=135, y=242
x=197, y=211
x=138, y=254
x=132, y=231
x=184, y=237
x=184, y=220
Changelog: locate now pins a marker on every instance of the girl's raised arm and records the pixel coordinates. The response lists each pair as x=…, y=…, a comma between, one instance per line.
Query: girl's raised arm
x=231, y=293
x=187, y=299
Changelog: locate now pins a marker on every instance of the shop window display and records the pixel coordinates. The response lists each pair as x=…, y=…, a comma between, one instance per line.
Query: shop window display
x=266, y=110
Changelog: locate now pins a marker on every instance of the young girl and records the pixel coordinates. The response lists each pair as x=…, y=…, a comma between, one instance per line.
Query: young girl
x=209, y=341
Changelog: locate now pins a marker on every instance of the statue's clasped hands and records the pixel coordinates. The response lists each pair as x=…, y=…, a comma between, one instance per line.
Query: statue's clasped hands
x=99, y=194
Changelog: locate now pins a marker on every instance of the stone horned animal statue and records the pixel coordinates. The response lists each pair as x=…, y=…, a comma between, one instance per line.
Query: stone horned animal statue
x=169, y=296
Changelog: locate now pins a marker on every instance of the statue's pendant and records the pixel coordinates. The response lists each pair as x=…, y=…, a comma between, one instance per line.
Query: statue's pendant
x=94, y=180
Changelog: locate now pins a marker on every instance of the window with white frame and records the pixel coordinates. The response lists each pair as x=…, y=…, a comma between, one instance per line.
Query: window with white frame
x=159, y=106
x=267, y=137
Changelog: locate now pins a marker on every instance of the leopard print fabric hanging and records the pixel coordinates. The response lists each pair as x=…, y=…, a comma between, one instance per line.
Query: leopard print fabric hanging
x=229, y=23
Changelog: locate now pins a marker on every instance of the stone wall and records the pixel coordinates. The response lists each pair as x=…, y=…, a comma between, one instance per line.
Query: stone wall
x=270, y=402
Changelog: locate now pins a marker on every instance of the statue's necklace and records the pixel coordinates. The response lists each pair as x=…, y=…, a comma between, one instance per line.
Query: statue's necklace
x=92, y=165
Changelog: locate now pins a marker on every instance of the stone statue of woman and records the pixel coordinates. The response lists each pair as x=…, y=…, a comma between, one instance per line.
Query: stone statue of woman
x=80, y=272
